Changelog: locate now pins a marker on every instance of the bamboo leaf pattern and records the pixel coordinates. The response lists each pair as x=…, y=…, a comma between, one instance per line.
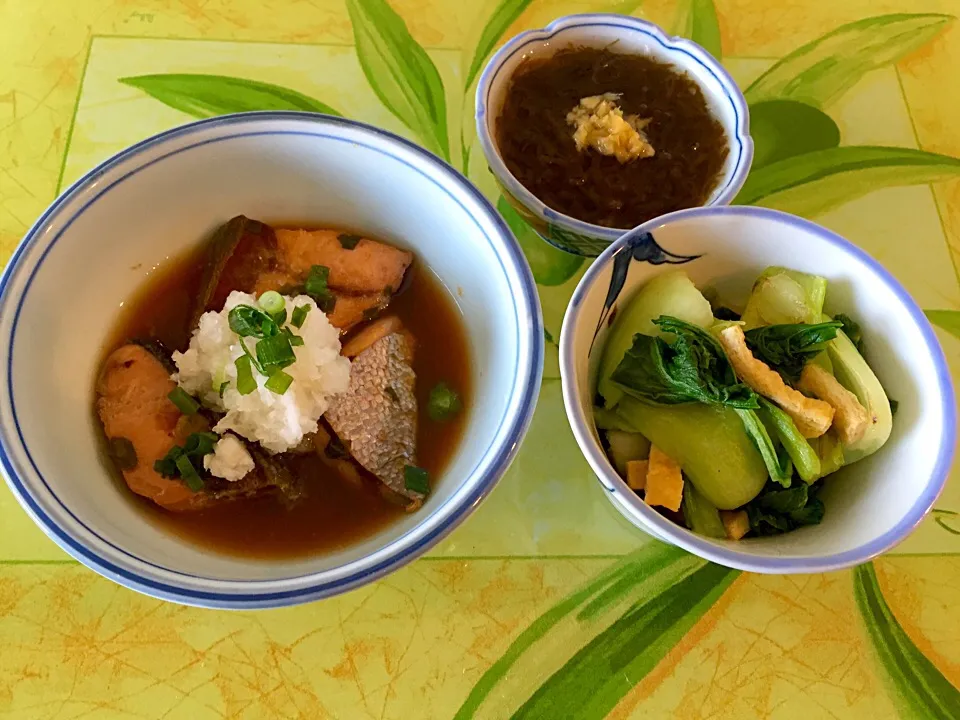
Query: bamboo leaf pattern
x=819, y=72
x=697, y=21
x=948, y=320
x=503, y=16
x=550, y=266
x=815, y=182
x=917, y=686
x=595, y=645
x=203, y=96
x=400, y=72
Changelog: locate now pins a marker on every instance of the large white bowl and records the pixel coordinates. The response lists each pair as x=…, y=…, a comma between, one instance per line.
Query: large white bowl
x=870, y=505
x=628, y=34
x=100, y=240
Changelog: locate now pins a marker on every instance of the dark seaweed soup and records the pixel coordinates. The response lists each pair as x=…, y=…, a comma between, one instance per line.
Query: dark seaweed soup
x=535, y=138
x=334, y=512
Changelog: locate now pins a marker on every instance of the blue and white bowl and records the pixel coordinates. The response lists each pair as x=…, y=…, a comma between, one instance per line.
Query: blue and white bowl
x=871, y=505
x=631, y=35
x=63, y=289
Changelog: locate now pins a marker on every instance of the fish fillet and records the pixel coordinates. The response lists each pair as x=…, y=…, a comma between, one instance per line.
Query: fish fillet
x=376, y=418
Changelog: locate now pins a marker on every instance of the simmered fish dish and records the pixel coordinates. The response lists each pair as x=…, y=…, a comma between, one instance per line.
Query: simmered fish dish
x=282, y=391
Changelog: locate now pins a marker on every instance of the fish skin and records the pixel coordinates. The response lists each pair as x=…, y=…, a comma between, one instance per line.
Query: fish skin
x=379, y=426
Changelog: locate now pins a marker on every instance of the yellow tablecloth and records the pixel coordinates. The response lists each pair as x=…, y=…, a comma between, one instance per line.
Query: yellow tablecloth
x=545, y=604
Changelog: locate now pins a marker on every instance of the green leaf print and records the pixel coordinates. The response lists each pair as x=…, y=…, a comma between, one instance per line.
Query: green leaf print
x=815, y=182
x=577, y=660
x=203, y=96
x=920, y=690
x=820, y=71
x=550, y=266
x=697, y=21
x=503, y=16
x=948, y=320
x=784, y=128
x=400, y=72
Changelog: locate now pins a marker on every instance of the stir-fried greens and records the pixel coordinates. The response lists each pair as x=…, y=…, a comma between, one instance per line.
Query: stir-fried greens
x=753, y=409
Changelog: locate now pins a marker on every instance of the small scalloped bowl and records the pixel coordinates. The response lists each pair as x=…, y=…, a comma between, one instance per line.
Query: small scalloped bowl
x=723, y=97
x=871, y=505
x=101, y=239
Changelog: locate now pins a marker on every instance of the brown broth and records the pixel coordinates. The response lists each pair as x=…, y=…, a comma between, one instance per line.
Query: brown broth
x=334, y=513
x=536, y=142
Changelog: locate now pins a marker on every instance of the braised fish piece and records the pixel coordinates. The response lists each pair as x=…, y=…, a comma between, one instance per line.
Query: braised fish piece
x=377, y=417
x=350, y=310
x=142, y=425
x=357, y=265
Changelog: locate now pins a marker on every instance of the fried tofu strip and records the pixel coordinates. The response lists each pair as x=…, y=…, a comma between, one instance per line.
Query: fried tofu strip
x=850, y=419
x=736, y=523
x=812, y=417
x=664, y=482
x=637, y=474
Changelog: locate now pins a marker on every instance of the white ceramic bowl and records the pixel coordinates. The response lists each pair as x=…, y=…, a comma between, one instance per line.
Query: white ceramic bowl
x=870, y=505
x=86, y=255
x=630, y=35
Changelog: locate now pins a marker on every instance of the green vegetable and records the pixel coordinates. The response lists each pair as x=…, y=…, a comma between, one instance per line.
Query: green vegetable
x=416, y=479
x=693, y=369
x=295, y=340
x=709, y=443
x=781, y=296
x=830, y=452
x=189, y=474
x=444, y=403
x=852, y=330
x=606, y=419
x=700, y=516
x=852, y=371
x=248, y=321
x=777, y=511
x=275, y=351
x=279, y=382
x=626, y=446
x=348, y=241
x=272, y=302
x=123, y=452
x=804, y=457
x=672, y=293
x=299, y=315
x=223, y=387
x=779, y=465
x=787, y=348
x=246, y=383
x=184, y=402
x=316, y=287
x=178, y=462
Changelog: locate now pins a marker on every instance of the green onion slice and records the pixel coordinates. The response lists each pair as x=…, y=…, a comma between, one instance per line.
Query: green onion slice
x=416, y=479
x=272, y=302
x=275, y=350
x=279, y=382
x=444, y=403
x=299, y=315
x=189, y=474
x=183, y=400
x=246, y=383
x=348, y=241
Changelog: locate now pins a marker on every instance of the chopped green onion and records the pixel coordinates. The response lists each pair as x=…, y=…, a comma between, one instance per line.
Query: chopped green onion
x=317, y=280
x=275, y=350
x=348, y=241
x=189, y=474
x=416, y=479
x=279, y=382
x=199, y=444
x=295, y=340
x=253, y=358
x=272, y=302
x=223, y=387
x=184, y=402
x=279, y=318
x=248, y=321
x=299, y=315
x=326, y=302
x=246, y=383
x=444, y=403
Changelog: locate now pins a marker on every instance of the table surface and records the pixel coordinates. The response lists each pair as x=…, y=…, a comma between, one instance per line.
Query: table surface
x=545, y=604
